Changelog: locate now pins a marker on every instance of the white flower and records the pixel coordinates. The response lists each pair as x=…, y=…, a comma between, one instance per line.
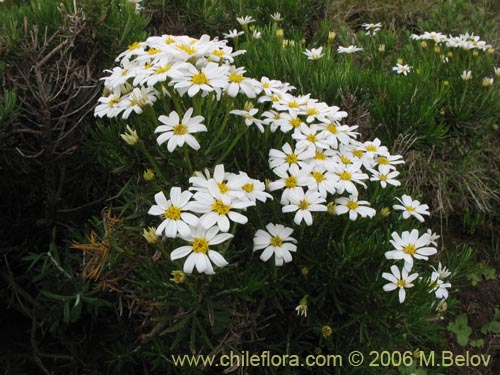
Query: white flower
x=349, y=50
x=433, y=237
x=211, y=77
x=276, y=17
x=412, y=207
x=243, y=21
x=487, y=81
x=217, y=209
x=354, y=207
x=175, y=220
x=497, y=71
x=138, y=99
x=301, y=310
x=130, y=136
x=399, y=280
x=288, y=157
x=254, y=189
x=233, y=34
x=385, y=175
x=200, y=255
x=402, y=69
x=249, y=117
x=179, y=132
x=238, y=83
x=441, y=272
x=256, y=34
x=348, y=175
x=372, y=28
x=410, y=246
x=314, y=53
x=292, y=180
x=275, y=241
x=303, y=204
x=466, y=75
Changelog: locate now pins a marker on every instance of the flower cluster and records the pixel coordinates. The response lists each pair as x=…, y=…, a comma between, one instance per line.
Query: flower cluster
x=464, y=41
x=199, y=217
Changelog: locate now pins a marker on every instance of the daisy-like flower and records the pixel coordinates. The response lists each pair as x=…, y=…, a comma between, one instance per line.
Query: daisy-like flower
x=402, y=69
x=256, y=34
x=354, y=207
x=244, y=21
x=254, y=189
x=276, y=240
x=175, y=219
x=412, y=207
x=349, y=50
x=249, y=116
x=441, y=271
x=433, y=237
x=198, y=253
x=399, y=279
x=178, y=132
x=466, y=75
x=130, y=136
x=487, y=81
x=276, y=17
x=288, y=157
x=233, y=34
x=292, y=180
x=348, y=175
x=408, y=246
x=314, y=53
x=138, y=99
x=307, y=137
x=385, y=175
x=372, y=28
x=217, y=209
x=211, y=77
x=303, y=204
x=239, y=83
x=302, y=307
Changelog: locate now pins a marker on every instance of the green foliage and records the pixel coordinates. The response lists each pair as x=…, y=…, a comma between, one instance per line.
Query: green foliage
x=460, y=327
x=481, y=272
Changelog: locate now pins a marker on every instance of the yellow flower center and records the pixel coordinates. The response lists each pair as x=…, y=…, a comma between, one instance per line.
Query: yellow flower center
x=112, y=102
x=345, y=176
x=410, y=249
x=303, y=204
x=345, y=160
x=200, y=245
x=148, y=66
x=218, y=52
x=163, y=69
x=401, y=283
x=180, y=129
x=358, y=153
x=153, y=51
x=311, y=138
x=291, y=159
x=199, y=79
x=266, y=85
x=352, y=205
x=223, y=188
x=293, y=104
x=318, y=176
x=320, y=155
x=189, y=50
x=371, y=148
x=134, y=45
x=275, y=98
x=295, y=122
x=312, y=111
x=124, y=72
x=172, y=213
x=332, y=128
x=410, y=208
x=235, y=77
x=169, y=40
x=383, y=177
x=220, y=208
x=276, y=241
x=248, y=188
x=291, y=182
x=382, y=160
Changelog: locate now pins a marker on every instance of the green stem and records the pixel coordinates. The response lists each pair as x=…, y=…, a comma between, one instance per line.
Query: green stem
x=152, y=160
x=188, y=160
x=231, y=146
